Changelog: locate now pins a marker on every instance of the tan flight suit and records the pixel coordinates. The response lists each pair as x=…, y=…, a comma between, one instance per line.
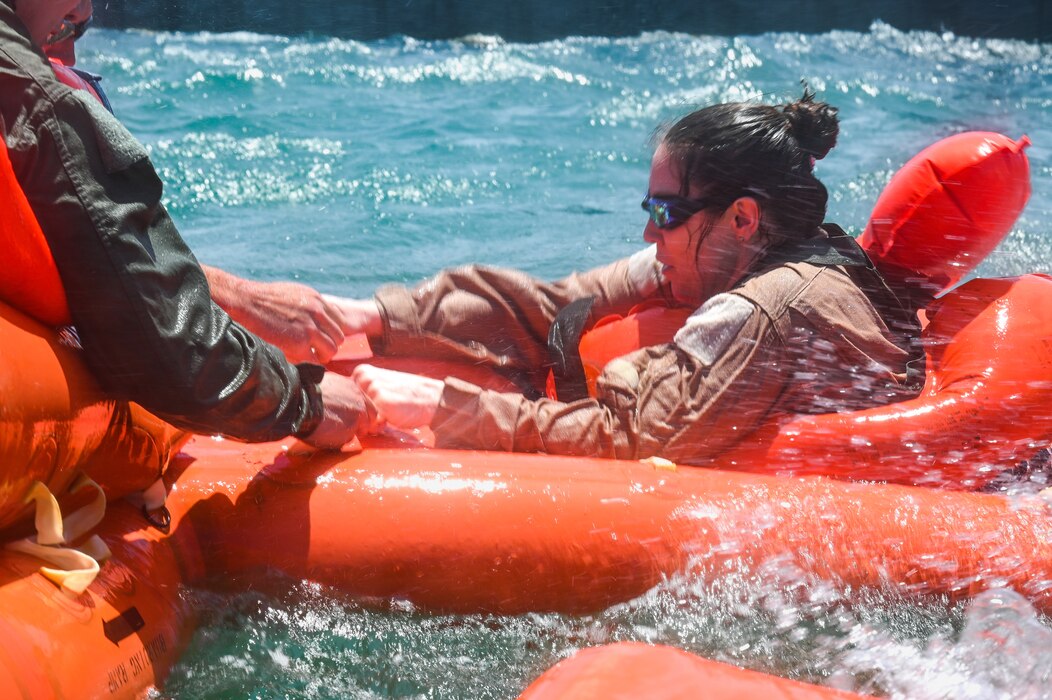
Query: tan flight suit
x=810, y=341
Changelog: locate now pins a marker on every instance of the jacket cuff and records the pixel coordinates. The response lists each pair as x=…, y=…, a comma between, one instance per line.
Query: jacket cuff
x=313, y=409
x=457, y=413
x=399, y=317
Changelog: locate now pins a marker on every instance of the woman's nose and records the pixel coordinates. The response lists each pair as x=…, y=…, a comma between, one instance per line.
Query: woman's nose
x=651, y=233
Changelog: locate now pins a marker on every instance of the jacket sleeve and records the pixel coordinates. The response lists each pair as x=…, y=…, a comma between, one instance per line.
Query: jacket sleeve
x=137, y=296
x=500, y=317
x=659, y=401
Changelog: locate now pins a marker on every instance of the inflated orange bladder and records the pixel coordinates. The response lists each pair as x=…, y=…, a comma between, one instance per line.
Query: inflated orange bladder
x=55, y=420
x=947, y=209
x=615, y=336
x=634, y=671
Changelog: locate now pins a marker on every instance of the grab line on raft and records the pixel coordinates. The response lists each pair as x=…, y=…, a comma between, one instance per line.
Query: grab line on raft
x=72, y=569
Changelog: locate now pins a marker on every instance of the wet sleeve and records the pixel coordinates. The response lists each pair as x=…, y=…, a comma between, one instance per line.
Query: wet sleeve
x=662, y=401
x=500, y=317
x=136, y=294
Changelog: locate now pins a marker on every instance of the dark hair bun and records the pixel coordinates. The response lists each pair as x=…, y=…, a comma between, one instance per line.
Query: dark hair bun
x=814, y=125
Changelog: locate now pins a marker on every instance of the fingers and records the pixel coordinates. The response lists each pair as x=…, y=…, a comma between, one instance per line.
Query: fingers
x=330, y=335
x=364, y=376
x=317, y=334
x=403, y=400
x=323, y=349
x=373, y=421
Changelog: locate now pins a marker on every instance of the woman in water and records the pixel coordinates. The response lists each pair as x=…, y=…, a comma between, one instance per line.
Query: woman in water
x=788, y=315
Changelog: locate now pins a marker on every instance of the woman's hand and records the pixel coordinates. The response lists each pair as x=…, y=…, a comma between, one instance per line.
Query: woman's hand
x=403, y=400
x=347, y=413
x=357, y=315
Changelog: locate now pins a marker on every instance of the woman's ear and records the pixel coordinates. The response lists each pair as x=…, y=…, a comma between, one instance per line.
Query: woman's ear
x=745, y=219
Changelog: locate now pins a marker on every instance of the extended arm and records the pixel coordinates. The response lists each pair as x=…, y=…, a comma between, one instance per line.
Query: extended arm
x=494, y=317
x=685, y=401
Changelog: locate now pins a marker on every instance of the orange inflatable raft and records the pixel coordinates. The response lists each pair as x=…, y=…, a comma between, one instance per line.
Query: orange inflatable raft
x=475, y=531
x=632, y=671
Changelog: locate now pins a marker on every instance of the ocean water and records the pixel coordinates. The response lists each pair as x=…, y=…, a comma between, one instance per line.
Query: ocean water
x=346, y=165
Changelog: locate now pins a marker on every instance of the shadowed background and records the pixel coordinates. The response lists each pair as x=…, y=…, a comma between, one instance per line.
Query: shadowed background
x=539, y=20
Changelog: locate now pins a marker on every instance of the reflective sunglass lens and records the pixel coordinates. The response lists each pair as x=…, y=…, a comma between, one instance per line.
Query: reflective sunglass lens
x=659, y=212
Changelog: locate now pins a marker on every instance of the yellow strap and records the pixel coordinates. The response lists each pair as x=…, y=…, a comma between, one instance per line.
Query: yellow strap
x=48, y=518
x=81, y=521
x=71, y=570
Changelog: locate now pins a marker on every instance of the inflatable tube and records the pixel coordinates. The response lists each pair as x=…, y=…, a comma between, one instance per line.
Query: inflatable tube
x=615, y=336
x=474, y=532
x=469, y=532
x=633, y=671
x=55, y=421
x=946, y=210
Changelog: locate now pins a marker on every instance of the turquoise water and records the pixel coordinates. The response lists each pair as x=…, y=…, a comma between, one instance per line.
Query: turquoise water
x=345, y=165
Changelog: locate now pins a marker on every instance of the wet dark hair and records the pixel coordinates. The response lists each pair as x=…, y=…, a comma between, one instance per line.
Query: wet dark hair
x=738, y=149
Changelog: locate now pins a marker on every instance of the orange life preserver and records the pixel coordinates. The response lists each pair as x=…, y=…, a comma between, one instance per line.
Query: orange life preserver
x=649, y=323
x=30, y=280
x=70, y=77
x=947, y=209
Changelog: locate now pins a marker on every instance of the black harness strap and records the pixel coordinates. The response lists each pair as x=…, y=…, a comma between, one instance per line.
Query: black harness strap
x=564, y=355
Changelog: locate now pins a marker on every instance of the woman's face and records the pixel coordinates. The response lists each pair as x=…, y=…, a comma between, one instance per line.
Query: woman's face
x=699, y=255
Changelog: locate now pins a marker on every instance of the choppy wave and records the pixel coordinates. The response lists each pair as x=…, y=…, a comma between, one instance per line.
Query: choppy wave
x=307, y=639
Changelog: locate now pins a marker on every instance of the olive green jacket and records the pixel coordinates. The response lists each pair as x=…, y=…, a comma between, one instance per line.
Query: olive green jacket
x=137, y=296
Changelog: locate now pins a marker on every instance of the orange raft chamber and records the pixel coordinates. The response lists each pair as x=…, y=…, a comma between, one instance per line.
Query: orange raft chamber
x=628, y=671
x=471, y=532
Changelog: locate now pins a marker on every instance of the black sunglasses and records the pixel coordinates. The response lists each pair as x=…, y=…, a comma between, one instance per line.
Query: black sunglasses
x=68, y=30
x=670, y=212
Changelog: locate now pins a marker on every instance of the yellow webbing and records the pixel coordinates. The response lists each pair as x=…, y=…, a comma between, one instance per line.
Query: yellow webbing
x=73, y=570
